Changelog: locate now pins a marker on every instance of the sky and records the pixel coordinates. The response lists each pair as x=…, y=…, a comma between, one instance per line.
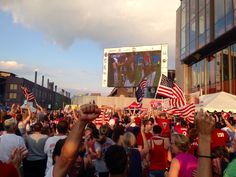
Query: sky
x=64, y=40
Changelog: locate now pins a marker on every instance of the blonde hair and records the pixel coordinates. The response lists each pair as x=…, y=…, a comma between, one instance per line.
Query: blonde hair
x=181, y=141
x=129, y=140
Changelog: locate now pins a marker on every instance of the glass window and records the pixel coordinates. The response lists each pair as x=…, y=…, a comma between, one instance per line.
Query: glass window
x=187, y=34
x=183, y=17
x=202, y=71
x=211, y=71
x=13, y=86
x=233, y=56
x=201, y=28
x=201, y=4
x=229, y=14
x=207, y=23
x=219, y=18
x=225, y=64
x=197, y=75
x=187, y=13
x=195, y=78
x=183, y=4
x=183, y=39
x=192, y=9
x=192, y=46
x=12, y=95
x=218, y=70
x=192, y=30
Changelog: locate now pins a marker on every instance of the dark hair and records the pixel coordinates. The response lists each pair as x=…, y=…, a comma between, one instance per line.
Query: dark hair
x=144, y=121
x=37, y=127
x=218, y=125
x=184, y=123
x=62, y=127
x=151, y=119
x=156, y=129
x=1, y=126
x=116, y=159
x=57, y=149
x=19, y=117
x=118, y=131
x=126, y=119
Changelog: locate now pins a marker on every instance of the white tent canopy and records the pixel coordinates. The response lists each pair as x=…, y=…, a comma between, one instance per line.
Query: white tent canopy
x=217, y=101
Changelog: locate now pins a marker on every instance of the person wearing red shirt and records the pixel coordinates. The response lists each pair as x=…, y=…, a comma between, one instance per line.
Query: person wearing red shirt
x=148, y=128
x=12, y=167
x=8, y=170
x=182, y=128
x=165, y=126
x=158, y=153
x=218, y=137
x=148, y=124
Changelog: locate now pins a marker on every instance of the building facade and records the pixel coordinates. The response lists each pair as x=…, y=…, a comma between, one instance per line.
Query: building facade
x=206, y=46
x=10, y=92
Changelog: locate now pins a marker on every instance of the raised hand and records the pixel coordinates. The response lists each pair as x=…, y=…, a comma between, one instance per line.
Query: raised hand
x=89, y=112
x=205, y=123
x=16, y=157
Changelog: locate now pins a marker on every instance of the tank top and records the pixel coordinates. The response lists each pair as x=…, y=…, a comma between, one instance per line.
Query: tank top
x=188, y=163
x=158, y=154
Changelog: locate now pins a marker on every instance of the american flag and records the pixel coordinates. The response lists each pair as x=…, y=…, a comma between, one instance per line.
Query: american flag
x=103, y=118
x=140, y=91
x=171, y=90
x=28, y=95
x=187, y=112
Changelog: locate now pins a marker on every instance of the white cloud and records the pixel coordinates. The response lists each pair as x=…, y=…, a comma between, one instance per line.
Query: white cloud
x=10, y=65
x=109, y=23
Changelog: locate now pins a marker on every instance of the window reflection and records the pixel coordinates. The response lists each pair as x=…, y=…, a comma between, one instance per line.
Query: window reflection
x=211, y=79
x=201, y=28
x=225, y=69
x=192, y=9
x=219, y=17
x=229, y=14
x=233, y=57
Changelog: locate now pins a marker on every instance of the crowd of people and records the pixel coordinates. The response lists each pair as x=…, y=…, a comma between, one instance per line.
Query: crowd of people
x=133, y=143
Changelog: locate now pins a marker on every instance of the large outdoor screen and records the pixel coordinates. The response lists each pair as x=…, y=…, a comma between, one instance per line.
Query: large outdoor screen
x=126, y=67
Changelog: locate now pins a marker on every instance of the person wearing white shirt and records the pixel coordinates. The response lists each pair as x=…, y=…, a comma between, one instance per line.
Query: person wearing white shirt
x=10, y=141
x=62, y=129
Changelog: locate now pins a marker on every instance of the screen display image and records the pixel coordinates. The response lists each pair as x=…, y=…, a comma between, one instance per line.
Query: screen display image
x=127, y=69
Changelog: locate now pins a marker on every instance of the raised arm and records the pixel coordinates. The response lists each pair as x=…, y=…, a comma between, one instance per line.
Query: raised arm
x=75, y=115
x=88, y=112
x=205, y=125
x=39, y=107
x=27, y=119
x=145, y=149
x=13, y=109
x=229, y=125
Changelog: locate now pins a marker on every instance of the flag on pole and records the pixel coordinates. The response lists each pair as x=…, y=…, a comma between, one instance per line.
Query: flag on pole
x=140, y=91
x=28, y=95
x=187, y=112
x=169, y=89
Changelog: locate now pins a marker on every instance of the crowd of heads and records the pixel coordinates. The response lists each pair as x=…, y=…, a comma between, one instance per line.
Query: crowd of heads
x=115, y=142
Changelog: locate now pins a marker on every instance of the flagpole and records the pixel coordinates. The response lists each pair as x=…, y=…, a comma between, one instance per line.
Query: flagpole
x=158, y=86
